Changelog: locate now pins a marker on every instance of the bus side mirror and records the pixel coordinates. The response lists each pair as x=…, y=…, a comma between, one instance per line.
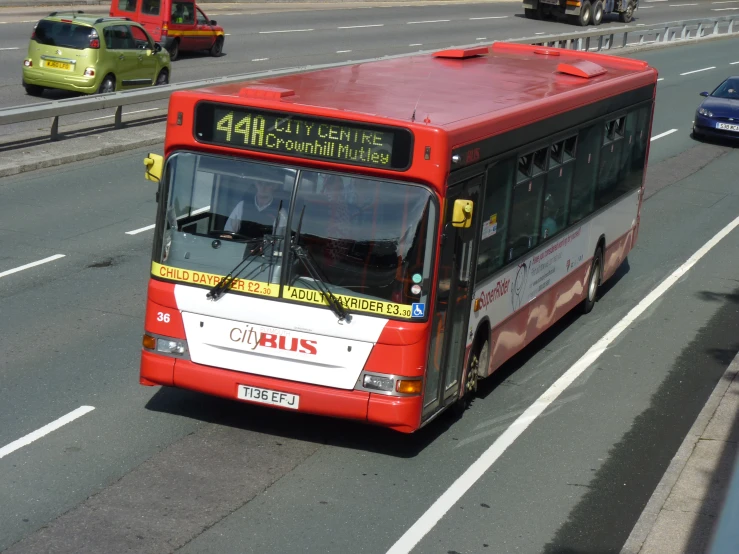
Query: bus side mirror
x=213, y=22
x=462, y=215
x=704, y=94
x=153, y=164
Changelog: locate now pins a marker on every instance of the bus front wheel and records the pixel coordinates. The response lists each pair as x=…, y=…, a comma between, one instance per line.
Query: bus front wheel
x=531, y=14
x=594, y=278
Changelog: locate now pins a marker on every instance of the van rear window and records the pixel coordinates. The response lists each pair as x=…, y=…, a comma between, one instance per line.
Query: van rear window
x=66, y=35
x=127, y=5
x=150, y=7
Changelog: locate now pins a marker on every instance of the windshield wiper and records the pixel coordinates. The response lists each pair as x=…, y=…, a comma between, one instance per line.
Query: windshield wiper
x=310, y=265
x=225, y=284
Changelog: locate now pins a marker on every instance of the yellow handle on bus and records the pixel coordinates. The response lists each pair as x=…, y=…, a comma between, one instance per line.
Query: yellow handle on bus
x=154, y=163
x=462, y=215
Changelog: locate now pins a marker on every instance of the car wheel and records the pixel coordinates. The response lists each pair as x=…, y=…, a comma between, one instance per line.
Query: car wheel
x=162, y=78
x=531, y=14
x=217, y=48
x=585, y=12
x=627, y=15
x=174, y=50
x=33, y=90
x=108, y=85
x=597, y=13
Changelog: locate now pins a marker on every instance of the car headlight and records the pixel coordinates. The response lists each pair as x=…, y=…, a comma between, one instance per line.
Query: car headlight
x=704, y=111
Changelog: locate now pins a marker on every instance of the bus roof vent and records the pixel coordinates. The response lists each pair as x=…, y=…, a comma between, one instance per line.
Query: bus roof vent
x=265, y=92
x=462, y=53
x=581, y=68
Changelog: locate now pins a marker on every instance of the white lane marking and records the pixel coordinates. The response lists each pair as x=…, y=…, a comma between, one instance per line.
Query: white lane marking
x=260, y=59
x=726, y=2
x=698, y=70
x=137, y=231
x=490, y=17
x=11, y=48
x=733, y=63
x=432, y=21
x=723, y=9
x=32, y=264
x=45, y=430
x=465, y=481
x=342, y=51
x=419, y=44
x=125, y=113
x=539, y=33
x=660, y=79
x=646, y=7
x=481, y=38
x=680, y=5
x=362, y=26
x=285, y=31
x=227, y=34
x=655, y=137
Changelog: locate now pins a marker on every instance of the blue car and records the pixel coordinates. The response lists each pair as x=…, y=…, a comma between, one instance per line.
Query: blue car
x=718, y=114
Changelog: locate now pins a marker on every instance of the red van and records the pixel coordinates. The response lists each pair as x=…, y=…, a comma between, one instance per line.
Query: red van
x=178, y=25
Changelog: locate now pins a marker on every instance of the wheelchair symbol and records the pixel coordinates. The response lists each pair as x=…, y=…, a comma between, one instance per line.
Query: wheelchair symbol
x=418, y=310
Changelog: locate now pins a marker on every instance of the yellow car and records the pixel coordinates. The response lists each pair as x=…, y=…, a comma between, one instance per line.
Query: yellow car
x=90, y=54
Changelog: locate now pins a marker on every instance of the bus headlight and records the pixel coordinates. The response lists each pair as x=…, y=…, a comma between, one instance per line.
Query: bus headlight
x=165, y=345
x=378, y=382
x=171, y=346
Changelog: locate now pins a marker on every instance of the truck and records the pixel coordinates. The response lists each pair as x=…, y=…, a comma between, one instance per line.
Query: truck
x=580, y=12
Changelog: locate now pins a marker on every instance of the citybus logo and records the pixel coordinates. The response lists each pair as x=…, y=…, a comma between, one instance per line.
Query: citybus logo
x=253, y=338
x=488, y=297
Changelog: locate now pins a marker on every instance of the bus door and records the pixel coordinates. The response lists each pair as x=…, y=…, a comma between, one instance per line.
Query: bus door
x=452, y=307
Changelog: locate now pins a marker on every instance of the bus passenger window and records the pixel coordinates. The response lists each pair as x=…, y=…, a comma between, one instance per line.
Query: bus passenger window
x=491, y=252
x=524, y=227
x=589, y=143
x=557, y=191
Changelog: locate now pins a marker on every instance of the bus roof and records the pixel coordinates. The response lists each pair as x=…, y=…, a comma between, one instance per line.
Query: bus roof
x=450, y=88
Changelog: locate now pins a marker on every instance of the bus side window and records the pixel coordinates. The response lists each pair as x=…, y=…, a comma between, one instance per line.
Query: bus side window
x=524, y=227
x=589, y=142
x=557, y=191
x=495, y=208
x=607, y=186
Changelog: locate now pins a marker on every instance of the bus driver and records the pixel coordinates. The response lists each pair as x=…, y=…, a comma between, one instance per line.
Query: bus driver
x=255, y=216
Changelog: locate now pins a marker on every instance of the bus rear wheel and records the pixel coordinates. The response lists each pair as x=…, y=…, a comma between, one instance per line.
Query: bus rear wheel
x=531, y=14
x=594, y=278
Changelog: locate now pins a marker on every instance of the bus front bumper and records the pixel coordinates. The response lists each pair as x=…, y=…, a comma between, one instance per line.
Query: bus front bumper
x=402, y=414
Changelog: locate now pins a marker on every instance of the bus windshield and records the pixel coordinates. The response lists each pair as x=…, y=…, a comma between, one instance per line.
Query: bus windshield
x=368, y=238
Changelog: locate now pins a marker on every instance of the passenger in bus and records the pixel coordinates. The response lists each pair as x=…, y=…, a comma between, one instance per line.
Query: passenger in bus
x=549, y=225
x=255, y=216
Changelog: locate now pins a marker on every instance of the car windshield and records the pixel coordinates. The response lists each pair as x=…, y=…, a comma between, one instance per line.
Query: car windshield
x=65, y=35
x=371, y=240
x=728, y=89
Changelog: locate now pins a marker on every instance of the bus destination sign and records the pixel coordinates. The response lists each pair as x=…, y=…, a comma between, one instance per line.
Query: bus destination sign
x=303, y=136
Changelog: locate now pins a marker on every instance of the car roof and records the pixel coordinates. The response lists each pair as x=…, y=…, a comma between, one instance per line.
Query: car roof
x=81, y=18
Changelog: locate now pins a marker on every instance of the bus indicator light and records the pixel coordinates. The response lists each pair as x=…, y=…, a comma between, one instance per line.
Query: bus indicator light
x=408, y=387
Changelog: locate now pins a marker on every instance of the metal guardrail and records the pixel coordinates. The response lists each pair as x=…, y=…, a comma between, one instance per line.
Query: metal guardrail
x=600, y=40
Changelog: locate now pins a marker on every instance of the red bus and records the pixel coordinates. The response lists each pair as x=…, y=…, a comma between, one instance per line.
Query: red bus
x=367, y=241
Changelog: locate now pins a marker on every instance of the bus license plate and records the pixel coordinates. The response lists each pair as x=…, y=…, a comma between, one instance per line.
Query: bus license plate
x=57, y=65
x=266, y=396
x=727, y=127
